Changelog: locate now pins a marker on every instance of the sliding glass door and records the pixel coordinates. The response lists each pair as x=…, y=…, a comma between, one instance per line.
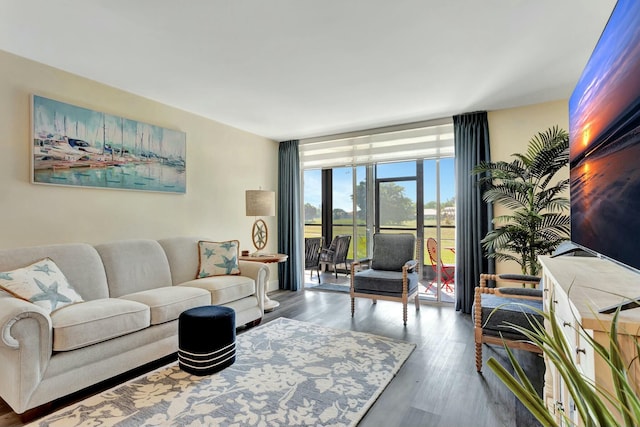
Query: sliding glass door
x=439, y=225
x=411, y=196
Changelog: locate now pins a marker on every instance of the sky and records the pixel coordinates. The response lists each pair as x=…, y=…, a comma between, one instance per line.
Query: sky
x=610, y=82
x=343, y=186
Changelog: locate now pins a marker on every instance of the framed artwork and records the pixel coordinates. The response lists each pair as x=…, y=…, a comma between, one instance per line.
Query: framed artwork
x=75, y=146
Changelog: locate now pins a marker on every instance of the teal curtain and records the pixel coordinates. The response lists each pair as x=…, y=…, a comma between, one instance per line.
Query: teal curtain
x=289, y=273
x=473, y=216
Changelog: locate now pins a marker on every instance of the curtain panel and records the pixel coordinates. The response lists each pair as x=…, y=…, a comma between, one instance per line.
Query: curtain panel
x=474, y=216
x=290, y=275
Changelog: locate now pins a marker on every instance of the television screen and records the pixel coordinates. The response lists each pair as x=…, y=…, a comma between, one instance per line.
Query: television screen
x=604, y=130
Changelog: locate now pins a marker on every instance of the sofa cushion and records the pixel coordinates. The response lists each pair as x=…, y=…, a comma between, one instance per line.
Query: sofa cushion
x=80, y=263
x=90, y=322
x=225, y=289
x=167, y=303
x=392, y=251
x=183, y=255
x=134, y=266
x=521, y=312
x=218, y=258
x=383, y=282
x=41, y=283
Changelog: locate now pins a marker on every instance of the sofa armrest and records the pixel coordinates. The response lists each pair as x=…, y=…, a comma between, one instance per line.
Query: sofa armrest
x=12, y=311
x=25, y=349
x=259, y=272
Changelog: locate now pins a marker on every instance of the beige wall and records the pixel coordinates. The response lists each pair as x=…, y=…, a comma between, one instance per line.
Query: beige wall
x=222, y=162
x=510, y=131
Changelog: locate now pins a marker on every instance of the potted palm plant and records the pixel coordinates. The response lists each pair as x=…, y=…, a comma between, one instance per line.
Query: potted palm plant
x=538, y=221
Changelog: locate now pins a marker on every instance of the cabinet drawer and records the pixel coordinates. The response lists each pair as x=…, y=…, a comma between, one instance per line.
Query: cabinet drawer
x=582, y=352
x=585, y=355
x=565, y=317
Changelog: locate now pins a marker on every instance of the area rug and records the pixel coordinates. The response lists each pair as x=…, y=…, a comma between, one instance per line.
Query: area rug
x=287, y=372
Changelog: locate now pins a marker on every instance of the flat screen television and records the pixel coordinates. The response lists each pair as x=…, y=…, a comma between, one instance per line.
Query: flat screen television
x=604, y=132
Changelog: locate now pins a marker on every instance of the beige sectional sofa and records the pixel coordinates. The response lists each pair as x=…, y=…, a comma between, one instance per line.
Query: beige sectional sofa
x=133, y=292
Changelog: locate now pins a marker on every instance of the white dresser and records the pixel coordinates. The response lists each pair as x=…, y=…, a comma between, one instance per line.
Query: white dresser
x=580, y=287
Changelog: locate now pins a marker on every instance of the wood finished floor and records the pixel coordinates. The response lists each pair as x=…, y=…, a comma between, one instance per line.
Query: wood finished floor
x=437, y=386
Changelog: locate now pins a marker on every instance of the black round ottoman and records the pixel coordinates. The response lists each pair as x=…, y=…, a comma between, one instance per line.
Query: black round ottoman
x=206, y=339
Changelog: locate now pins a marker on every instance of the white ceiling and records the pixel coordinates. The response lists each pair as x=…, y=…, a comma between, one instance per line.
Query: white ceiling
x=288, y=69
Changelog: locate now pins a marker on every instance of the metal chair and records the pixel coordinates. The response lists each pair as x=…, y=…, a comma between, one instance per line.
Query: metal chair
x=335, y=254
x=447, y=271
x=392, y=274
x=312, y=247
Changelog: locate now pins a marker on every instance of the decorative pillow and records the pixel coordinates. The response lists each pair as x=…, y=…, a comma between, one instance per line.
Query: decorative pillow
x=41, y=283
x=218, y=258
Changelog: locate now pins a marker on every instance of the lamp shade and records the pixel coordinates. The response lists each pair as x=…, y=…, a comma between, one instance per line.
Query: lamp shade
x=260, y=203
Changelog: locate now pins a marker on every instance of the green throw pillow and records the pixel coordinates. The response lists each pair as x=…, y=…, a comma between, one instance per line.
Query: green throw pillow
x=41, y=283
x=218, y=258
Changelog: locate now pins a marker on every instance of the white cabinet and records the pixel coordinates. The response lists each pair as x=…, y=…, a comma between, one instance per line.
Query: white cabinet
x=579, y=287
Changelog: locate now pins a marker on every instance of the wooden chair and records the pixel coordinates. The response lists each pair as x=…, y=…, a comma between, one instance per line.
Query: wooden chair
x=392, y=274
x=335, y=254
x=495, y=307
x=312, y=247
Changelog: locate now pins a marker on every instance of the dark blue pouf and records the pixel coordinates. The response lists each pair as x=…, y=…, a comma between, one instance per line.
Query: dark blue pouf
x=206, y=339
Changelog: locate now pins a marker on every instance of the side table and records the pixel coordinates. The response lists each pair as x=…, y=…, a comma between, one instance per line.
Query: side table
x=269, y=304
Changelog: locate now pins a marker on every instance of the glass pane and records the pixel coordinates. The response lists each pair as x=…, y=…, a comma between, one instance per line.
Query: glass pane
x=397, y=169
x=430, y=201
x=360, y=241
x=397, y=204
x=439, y=208
x=343, y=204
x=448, y=210
x=312, y=203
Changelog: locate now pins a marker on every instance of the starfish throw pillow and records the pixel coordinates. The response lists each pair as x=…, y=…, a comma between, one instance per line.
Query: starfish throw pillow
x=41, y=283
x=218, y=258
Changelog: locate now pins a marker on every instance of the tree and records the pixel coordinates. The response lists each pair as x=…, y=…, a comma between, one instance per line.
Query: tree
x=395, y=206
x=361, y=199
x=432, y=204
x=310, y=212
x=340, y=214
x=449, y=202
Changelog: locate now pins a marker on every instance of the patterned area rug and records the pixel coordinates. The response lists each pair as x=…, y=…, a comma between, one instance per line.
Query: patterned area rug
x=287, y=372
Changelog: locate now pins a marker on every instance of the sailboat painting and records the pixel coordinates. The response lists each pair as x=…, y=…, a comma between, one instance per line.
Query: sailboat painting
x=77, y=146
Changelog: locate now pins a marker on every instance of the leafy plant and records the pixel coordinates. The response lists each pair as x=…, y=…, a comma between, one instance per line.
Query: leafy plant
x=590, y=399
x=538, y=222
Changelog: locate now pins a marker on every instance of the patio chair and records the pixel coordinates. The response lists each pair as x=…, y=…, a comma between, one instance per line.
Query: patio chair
x=312, y=247
x=495, y=308
x=392, y=274
x=335, y=254
x=447, y=271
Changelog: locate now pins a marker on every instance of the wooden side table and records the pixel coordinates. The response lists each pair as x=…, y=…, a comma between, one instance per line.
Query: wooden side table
x=269, y=304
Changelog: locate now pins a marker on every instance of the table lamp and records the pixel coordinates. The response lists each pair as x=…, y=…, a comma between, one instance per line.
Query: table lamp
x=260, y=203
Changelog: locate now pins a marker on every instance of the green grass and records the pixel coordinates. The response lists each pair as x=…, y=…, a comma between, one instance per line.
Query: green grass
x=448, y=238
